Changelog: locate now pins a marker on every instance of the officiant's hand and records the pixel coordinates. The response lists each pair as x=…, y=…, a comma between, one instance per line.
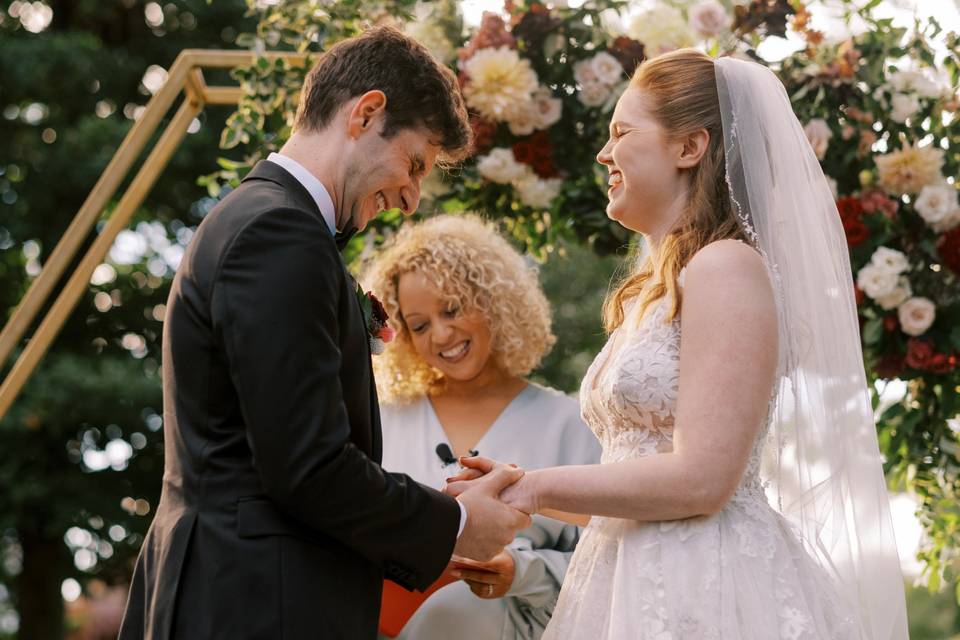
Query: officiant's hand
x=491, y=525
x=487, y=580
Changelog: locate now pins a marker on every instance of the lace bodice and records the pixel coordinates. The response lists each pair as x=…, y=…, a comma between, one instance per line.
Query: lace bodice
x=629, y=394
x=739, y=573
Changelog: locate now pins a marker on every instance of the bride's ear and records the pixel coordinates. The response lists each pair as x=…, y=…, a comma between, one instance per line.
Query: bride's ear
x=693, y=149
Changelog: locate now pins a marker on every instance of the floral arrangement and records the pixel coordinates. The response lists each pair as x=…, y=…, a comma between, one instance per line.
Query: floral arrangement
x=376, y=321
x=881, y=114
x=540, y=79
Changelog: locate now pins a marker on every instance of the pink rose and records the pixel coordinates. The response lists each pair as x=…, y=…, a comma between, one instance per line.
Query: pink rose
x=387, y=333
x=708, y=18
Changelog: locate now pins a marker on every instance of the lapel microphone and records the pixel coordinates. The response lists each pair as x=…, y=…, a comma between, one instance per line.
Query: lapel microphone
x=446, y=455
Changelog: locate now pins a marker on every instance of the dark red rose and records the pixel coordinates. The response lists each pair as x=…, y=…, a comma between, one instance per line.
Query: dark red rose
x=856, y=232
x=890, y=366
x=377, y=309
x=919, y=353
x=771, y=15
x=541, y=144
x=891, y=323
x=949, y=248
x=533, y=26
x=483, y=132
x=850, y=208
x=628, y=52
x=858, y=295
x=940, y=363
x=545, y=168
x=537, y=152
x=523, y=151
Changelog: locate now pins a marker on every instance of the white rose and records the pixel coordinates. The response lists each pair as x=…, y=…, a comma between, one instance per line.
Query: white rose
x=904, y=105
x=876, y=282
x=890, y=260
x=709, y=18
x=593, y=94
x=549, y=109
x=812, y=70
x=818, y=134
x=936, y=203
x=524, y=121
x=500, y=166
x=500, y=83
x=536, y=192
x=896, y=297
x=431, y=35
x=661, y=28
x=583, y=72
x=607, y=69
x=914, y=81
x=916, y=315
x=947, y=223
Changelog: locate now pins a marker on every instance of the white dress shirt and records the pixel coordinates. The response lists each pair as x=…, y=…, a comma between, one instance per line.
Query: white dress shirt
x=313, y=186
x=324, y=202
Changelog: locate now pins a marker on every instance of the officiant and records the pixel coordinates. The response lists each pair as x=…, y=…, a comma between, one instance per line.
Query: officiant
x=472, y=323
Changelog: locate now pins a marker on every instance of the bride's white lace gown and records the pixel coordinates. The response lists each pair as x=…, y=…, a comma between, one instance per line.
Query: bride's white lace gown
x=740, y=574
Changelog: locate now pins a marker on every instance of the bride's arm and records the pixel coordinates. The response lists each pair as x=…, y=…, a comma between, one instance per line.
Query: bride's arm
x=728, y=358
x=579, y=519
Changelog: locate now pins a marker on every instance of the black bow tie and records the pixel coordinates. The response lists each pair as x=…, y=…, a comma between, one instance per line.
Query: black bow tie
x=343, y=237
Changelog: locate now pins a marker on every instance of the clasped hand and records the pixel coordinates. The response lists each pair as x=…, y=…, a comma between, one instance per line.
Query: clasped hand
x=497, y=506
x=520, y=495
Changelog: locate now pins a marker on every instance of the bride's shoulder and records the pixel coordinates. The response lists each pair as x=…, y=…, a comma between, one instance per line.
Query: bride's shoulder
x=729, y=257
x=726, y=268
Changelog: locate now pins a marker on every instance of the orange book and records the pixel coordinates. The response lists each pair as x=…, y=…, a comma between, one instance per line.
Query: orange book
x=398, y=605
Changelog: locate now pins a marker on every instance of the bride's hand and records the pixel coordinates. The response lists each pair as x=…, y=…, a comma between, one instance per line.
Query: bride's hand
x=474, y=467
x=523, y=494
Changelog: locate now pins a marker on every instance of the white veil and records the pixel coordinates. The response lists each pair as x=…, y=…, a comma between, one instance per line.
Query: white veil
x=824, y=464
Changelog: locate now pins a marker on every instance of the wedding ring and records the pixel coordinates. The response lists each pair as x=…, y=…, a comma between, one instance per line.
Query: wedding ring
x=489, y=589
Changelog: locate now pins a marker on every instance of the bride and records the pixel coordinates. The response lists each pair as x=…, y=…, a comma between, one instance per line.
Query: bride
x=732, y=377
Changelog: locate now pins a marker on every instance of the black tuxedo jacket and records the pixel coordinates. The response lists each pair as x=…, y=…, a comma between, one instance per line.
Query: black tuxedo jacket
x=276, y=519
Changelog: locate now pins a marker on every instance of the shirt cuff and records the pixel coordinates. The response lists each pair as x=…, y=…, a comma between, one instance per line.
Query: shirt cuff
x=463, y=518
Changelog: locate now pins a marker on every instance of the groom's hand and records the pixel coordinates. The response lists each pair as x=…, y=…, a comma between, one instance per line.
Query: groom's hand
x=491, y=525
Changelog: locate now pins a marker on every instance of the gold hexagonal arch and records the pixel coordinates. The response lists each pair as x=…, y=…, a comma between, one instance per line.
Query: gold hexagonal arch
x=185, y=76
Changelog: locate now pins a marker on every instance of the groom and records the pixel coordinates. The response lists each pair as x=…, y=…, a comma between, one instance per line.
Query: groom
x=276, y=519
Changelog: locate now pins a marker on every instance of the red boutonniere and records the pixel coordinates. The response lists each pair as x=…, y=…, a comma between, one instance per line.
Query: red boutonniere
x=376, y=320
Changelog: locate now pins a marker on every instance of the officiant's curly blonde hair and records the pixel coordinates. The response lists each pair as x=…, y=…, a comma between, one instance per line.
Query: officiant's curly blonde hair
x=681, y=86
x=476, y=268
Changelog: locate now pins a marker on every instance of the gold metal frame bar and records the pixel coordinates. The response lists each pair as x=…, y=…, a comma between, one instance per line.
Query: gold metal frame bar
x=186, y=75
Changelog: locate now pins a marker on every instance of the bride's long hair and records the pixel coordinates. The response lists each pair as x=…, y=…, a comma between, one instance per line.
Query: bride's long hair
x=682, y=87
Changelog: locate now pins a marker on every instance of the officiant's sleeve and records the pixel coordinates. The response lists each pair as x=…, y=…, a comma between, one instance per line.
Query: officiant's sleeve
x=275, y=306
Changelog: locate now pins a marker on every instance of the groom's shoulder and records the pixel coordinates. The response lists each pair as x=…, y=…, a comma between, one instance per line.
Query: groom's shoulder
x=265, y=202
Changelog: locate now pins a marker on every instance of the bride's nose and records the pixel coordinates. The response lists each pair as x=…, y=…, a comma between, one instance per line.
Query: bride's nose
x=604, y=156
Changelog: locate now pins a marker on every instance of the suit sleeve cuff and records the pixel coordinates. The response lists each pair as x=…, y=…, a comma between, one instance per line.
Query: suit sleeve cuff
x=463, y=518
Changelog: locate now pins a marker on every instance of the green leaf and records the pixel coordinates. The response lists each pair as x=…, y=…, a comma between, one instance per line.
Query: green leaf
x=955, y=337
x=872, y=331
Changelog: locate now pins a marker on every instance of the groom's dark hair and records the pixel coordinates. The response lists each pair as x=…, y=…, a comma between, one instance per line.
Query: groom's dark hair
x=420, y=91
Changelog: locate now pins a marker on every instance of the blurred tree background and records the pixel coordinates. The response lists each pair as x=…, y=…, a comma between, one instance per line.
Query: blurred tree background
x=81, y=451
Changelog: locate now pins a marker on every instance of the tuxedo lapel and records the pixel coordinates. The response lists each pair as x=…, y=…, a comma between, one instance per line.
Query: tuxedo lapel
x=301, y=198
x=272, y=172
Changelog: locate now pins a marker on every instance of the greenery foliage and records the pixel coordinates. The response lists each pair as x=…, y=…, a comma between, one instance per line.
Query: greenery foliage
x=863, y=99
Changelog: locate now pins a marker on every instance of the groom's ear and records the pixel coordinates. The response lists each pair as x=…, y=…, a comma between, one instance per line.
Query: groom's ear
x=693, y=149
x=366, y=113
